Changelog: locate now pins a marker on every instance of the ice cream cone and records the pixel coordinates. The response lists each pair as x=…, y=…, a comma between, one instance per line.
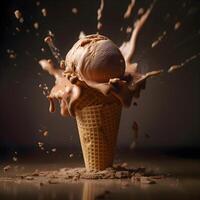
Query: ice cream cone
x=98, y=128
x=97, y=80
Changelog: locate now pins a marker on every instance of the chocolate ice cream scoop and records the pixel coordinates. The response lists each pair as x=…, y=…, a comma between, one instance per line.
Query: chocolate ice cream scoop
x=95, y=58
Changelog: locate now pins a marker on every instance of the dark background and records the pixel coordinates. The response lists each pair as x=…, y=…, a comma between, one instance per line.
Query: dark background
x=168, y=110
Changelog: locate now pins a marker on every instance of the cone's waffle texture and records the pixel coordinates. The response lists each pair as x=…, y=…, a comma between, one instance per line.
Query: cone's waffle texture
x=93, y=97
x=98, y=128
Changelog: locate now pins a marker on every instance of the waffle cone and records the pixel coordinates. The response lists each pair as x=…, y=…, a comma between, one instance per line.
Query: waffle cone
x=98, y=128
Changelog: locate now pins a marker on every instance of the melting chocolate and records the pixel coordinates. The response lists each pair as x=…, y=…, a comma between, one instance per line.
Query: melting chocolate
x=95, y=63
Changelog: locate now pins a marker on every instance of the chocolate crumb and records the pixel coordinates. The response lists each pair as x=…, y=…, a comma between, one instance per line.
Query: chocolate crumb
x=122, y=174
x=6, y=168
x=41, y=184
x=52, y=181
x=146, y=180
x=35, y=173
x=135, y=103
x=29, y=178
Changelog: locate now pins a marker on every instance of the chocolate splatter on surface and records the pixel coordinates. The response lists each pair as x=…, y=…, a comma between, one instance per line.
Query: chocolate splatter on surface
x=65, y=174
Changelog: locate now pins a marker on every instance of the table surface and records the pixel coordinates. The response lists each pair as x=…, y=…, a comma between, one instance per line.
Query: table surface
x=184, y=182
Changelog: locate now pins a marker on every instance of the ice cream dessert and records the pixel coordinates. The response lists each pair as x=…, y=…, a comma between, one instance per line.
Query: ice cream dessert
x=96, y=82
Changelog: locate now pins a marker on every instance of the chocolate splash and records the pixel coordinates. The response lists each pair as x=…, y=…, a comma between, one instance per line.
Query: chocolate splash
x=128, y=48
x=99, y=15
x=181, y=65
x=96, y=63
x=55, y=51
x=129, y=9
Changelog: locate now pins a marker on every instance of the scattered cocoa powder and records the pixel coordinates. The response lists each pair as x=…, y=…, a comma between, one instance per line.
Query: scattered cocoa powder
x=140, y=174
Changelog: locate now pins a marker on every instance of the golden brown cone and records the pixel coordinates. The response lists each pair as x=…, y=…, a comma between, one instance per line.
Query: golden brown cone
x=98, y=128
